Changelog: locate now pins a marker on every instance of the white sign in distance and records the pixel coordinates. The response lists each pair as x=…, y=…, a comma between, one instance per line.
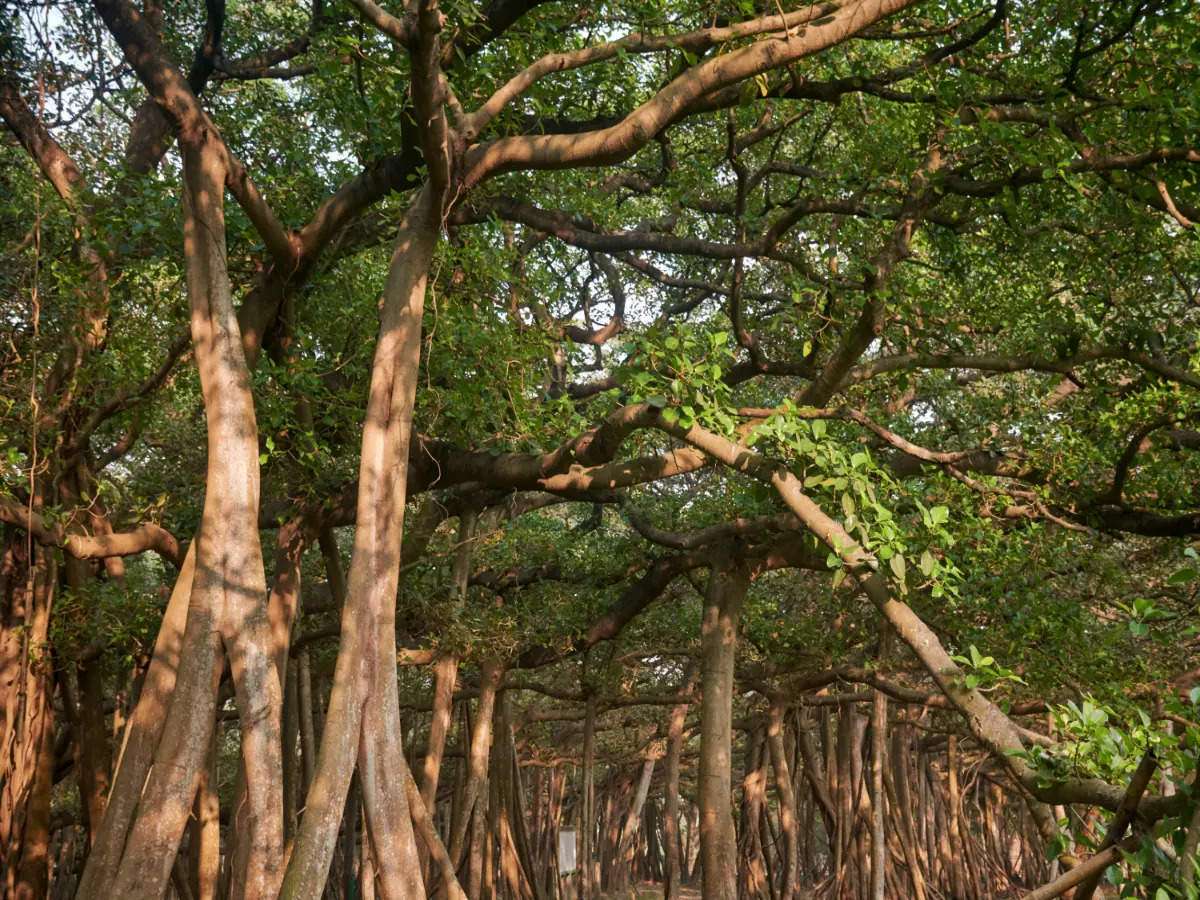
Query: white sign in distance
x=566, y=851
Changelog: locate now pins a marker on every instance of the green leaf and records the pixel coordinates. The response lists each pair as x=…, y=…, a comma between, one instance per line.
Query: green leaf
x=1182, y=576
x=928, y=563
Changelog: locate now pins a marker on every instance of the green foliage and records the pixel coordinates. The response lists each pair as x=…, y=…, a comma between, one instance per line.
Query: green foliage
x=983, y=671
x=852, y=481
x=681, y=371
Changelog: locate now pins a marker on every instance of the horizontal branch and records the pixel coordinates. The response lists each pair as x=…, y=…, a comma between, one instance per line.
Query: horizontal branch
x=672, y=102
x=147, y=536
x=1019, y=363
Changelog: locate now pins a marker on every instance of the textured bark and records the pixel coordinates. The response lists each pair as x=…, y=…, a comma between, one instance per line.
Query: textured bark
x=227, y=610
x=27, y=577
x=788, y=813
x=477, y=764
x=727, y=586
x=878, y=809
x=205, y=832
x=625, y=847
x=34, y=875
x=95, y=750
x=752, y=870
x=446, y=670
x=587, y=815
x=673, y=880
x=141, y=736
x=363, y=719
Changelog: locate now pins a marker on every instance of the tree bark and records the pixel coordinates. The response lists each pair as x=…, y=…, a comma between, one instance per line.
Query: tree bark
x=481, y=739
x=587, y=815
x=752, y=870
x=363, y=718
x=625, y=848
x=141, y=736
x=673, y=880
x=446, y=670
x=727, y=586
x=878, y=803
x=228, y=603
x=205, y=828
x=423, y=822
x=788, y=815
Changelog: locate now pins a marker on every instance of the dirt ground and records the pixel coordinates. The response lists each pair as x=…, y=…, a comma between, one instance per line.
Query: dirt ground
x=648, y=891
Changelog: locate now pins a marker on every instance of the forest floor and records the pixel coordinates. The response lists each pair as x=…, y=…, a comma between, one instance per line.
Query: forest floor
x=648, y=890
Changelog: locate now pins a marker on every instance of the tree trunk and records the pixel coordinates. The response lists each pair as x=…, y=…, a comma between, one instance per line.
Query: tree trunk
x=587, y=815
x=624, y=860
x=878, y=835
x=205, y=832
x=446, y=670
x=228, y=601
x=673, y=881
x=95, y=754
x=727, y=586
x=752, y=873
x=141, y=736
x=788, y=816
x=954, y=807
x=481, y=739
x=363, y=718
x=308, y=734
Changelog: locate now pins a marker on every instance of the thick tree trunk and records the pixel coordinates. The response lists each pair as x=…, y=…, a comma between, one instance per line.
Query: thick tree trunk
x=27, y=579
x=141, y=737
x=363, y=719
x=228, y=607
x=727, y=586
